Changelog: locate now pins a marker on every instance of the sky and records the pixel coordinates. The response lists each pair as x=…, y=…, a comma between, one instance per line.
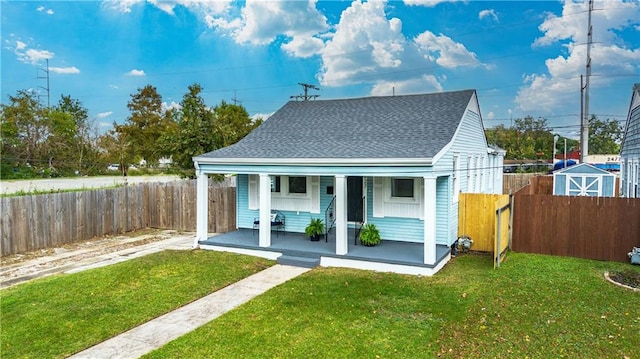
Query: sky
x=524, y=58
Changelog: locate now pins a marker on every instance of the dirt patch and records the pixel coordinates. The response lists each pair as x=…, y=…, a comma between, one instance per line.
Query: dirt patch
x=94, y=246
x=628, y=279
x=26, y=266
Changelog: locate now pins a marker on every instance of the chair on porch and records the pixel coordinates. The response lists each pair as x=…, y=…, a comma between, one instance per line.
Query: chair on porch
x=277, y=222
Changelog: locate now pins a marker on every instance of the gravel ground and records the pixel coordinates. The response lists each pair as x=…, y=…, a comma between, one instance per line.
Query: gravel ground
x=93, y=253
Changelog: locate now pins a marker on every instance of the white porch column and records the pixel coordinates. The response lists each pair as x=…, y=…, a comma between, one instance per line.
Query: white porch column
x=265, y=210
x=202, y=208
x=429, y=220
x=342, y=232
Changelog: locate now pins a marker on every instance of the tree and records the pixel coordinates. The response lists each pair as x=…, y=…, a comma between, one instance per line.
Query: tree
x=233, y=123
x=529, y=138
x=115, y=147
x=146, y=124
x=196, y=132
x=201, y=129
x=605, y=136
x=24, y=127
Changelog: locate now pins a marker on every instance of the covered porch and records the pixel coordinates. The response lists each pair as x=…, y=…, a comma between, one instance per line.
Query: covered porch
x=388, y=256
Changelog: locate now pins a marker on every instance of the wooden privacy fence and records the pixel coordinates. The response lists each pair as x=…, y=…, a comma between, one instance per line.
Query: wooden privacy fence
x=485, y=219
x=42, y=221
x=585, y=227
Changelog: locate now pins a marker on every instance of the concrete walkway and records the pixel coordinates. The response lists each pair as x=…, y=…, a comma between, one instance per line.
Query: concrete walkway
x=155, y=333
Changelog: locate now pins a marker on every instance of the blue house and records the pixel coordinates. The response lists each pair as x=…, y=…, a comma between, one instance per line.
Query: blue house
x=630, y=150
x=398, y=162
x=584, y=180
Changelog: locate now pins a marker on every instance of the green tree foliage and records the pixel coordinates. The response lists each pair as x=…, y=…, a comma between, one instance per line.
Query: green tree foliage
x=71, y=143
x=115, y=147
x=44, y=141
x=605, y=136
x=201, y=129
x=24, y=132
x=529, y=139
x=146, y=124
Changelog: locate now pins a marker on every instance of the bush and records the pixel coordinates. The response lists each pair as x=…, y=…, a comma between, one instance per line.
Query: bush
x=370, y=235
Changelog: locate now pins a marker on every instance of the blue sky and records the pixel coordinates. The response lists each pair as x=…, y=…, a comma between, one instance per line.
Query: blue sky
x=523, y=58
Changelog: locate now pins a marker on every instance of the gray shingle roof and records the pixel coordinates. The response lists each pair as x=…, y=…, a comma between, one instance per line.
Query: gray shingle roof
x=412, y=126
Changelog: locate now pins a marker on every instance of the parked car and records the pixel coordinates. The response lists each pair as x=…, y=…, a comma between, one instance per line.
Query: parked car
x=114, y=167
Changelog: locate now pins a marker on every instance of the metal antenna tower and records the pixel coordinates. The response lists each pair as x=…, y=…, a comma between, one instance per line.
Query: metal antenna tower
x=47, y=78
x=584, y=133
x=235, y=99
x=306, y=96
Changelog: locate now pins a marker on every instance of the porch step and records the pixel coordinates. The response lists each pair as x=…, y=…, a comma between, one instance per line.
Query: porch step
x=305, y=262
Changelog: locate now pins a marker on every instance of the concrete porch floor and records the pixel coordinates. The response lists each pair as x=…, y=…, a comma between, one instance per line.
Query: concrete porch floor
x=388, y=256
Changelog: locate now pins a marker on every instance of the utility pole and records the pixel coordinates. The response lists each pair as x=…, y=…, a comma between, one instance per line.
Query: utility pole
x=584, y=133
x=306, y=96
x=235, y=99
x=47, y=78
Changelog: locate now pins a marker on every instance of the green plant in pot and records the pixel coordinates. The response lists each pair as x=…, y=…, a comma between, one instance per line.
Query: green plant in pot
x=315, y=229
x=370, y=235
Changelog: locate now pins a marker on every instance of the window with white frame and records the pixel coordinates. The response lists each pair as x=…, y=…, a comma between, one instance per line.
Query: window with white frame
x=402, y=188
x=297, y=184
x=288, y=193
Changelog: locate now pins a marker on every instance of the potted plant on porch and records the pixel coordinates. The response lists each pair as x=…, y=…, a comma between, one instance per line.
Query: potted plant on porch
x=370, y=235
x=315, y=229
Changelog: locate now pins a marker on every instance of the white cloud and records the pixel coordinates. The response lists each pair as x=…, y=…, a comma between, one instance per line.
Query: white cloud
x=263, y=116
x=102, y=115
x=488, y=13
x=303, y=46
x=123, y=6
x=364, y=43
x=364, y=47
x=262, y=22
x=490, y=115
x=42, y=8
x=173, y=105
x=65, y=70
x=445, y=52
x=551, y=90
x=31, y=56
x=136, y=72
x=112, y=86
x=206, y=8
x=426, y=83
x=428, y=3
x=105, y=124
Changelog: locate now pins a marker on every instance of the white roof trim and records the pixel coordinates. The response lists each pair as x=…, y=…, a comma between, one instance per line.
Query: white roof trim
x=316, y=161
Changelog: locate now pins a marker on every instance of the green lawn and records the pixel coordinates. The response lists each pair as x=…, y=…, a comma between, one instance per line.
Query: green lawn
x=533, y=306
x=60, y=315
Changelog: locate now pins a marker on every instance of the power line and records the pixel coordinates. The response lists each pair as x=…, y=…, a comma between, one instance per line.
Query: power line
x=306, y=96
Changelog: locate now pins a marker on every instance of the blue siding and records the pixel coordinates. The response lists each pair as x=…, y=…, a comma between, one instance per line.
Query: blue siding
x=560, y=185
x=631, y=145
x=244, y=217
x=394, y=228
x=608, y=186
x=443, y=218
x=295, y=221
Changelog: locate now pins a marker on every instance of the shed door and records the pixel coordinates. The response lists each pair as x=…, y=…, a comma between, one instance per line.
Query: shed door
x=584, y=185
